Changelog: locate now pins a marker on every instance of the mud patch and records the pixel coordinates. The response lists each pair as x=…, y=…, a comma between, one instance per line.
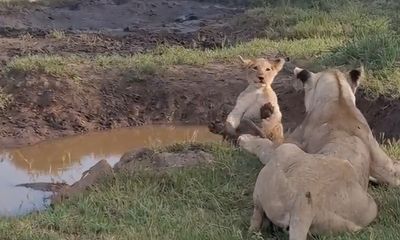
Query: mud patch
x=115, y=16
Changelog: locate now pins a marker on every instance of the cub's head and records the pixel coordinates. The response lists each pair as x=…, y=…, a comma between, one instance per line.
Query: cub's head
x=328, y=86
x=263, y=71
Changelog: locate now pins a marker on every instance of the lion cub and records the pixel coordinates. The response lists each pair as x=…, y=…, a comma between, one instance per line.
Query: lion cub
x=258, y=104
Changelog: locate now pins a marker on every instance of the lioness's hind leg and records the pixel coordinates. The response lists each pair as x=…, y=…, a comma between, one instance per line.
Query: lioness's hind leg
x=331, y=222
x=383, y=168
x=301, y=218
x=256, y=219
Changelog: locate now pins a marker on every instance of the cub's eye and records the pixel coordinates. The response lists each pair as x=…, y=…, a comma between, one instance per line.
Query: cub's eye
x=255, y=68
x=268, y=69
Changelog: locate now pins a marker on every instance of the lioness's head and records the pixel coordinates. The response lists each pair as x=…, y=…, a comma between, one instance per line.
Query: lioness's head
x=263, y=71
x=329, y=85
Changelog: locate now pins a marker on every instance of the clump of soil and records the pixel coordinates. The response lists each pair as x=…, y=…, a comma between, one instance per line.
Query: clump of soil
x=148, y=159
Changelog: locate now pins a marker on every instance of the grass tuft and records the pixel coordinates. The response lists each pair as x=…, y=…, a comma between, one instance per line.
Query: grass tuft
x=46, y=64
x=5, y=99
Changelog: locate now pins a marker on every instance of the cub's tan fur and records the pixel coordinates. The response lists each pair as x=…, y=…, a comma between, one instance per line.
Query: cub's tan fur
x=306, y=192
x=258, y=93
x=334, y=126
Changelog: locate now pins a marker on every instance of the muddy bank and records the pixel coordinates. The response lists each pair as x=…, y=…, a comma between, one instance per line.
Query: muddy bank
x=130, y=163
x=45, y=107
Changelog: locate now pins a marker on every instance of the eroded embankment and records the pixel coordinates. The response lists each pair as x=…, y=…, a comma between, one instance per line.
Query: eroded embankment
x=45, y=107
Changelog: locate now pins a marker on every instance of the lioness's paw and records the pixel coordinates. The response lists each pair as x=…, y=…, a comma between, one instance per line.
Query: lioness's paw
x=229, y=128
x=245, y=138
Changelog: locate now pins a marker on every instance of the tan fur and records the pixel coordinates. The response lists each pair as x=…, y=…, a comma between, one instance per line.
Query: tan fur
x=337, y=128
x=259, y=92
x=306, y=192
x=319, y=184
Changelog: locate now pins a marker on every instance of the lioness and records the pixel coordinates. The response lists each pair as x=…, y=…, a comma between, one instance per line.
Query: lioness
x=335, y=127
x=306, y=192
x=258, y=103
x=325, y=189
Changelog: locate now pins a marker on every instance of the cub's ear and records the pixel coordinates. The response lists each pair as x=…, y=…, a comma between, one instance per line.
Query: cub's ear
x=302, y=74
x=245, y=62
x=355, y=76
x=277, y=64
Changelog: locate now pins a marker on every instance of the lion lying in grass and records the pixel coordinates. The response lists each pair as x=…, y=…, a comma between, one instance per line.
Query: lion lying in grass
x=246, y=115
x=319, y=184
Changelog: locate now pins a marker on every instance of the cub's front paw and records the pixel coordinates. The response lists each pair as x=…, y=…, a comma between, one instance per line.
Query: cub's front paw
x=266, y=110
x=216, y=127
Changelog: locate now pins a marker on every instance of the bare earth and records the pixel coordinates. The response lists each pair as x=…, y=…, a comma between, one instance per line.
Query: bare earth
x=45, y=107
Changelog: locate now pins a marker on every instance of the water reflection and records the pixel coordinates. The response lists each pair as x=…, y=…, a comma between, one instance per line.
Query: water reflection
x=66, y=159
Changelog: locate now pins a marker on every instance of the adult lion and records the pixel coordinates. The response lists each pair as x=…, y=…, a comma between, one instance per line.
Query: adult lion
x=306, y=192
x=334, y=126
x=319, y=184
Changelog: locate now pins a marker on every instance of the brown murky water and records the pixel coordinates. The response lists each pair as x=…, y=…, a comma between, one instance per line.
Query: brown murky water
x=66, y=159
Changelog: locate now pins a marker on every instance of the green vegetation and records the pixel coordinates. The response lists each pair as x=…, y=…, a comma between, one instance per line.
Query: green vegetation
x=206, y=202
x=56, y=34
x=162, y=57
x=58, y=66
x=5, y=99
x=325, y=33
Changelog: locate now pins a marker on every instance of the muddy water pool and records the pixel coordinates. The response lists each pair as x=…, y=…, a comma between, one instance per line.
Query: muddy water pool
x=64, y=160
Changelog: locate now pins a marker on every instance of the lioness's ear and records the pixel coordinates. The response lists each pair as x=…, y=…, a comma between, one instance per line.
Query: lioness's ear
x=277, y=64
x=245, y=62
x=302, y=74
x=356, y=76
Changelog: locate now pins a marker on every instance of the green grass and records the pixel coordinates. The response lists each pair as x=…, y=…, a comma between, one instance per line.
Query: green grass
x=169, y=56
x=56, y=34
x=57, y=66
x=209, y=202
x=206, y=202
x=5, y=99
x=161, y=58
